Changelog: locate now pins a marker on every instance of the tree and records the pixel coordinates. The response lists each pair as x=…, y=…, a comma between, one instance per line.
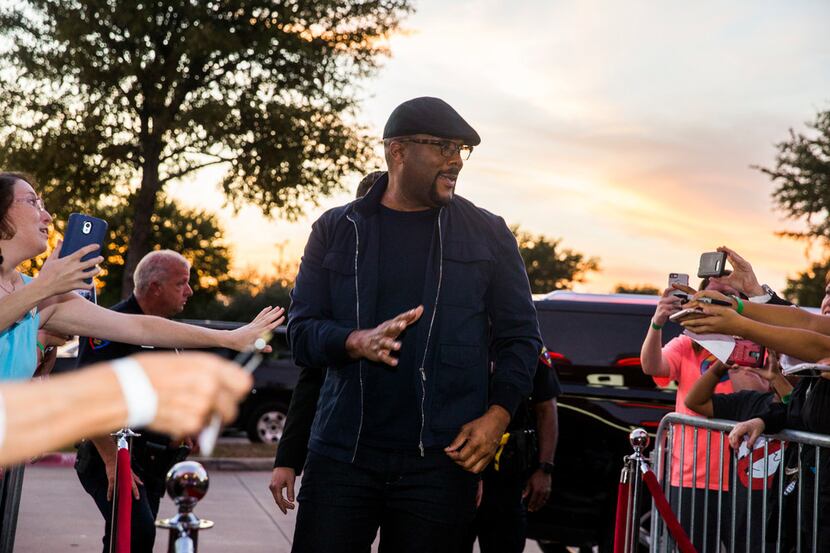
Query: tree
x=645, y=289
x=105, y=96
x=807, y=288
x=549, y=269
x=195, y=234
x=802, y=173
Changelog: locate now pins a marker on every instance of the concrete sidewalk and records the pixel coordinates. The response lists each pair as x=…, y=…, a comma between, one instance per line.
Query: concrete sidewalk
x=57, y=515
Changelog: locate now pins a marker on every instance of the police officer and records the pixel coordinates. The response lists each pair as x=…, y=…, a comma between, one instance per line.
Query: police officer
x=162, y=289
x=519, y=478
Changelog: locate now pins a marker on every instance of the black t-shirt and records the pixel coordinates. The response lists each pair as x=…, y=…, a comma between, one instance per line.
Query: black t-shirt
x=741, y=406
x=545, y=387
x=392, y=415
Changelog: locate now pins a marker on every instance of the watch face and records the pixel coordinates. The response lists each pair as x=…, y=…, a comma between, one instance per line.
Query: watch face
x=547, y=468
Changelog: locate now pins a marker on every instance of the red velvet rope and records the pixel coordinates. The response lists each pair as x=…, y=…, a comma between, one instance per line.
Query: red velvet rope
x=676, y=531
x=622, y=517
x=124, y=481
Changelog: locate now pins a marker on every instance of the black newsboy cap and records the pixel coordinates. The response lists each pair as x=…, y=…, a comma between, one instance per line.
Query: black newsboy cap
x=426, y=115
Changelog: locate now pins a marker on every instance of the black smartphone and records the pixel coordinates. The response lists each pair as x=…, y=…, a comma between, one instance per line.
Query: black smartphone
x=83, y=230
x=712, y=264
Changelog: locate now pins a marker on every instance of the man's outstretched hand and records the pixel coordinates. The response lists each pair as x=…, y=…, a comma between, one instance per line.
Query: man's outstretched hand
x=377, y=344
x=477, y=442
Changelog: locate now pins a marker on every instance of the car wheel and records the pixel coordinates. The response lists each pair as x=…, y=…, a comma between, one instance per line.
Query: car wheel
x=267, y=423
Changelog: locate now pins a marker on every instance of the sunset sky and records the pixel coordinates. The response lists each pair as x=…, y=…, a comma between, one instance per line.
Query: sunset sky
x=625, y=128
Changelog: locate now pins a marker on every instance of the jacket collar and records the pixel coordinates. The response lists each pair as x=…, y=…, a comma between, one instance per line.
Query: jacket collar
x=368, y=204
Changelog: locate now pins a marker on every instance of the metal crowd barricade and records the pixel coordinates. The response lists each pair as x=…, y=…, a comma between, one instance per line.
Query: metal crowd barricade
x=768, y=499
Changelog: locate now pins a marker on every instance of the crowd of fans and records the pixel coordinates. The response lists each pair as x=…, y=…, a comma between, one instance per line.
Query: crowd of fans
x=761, y=399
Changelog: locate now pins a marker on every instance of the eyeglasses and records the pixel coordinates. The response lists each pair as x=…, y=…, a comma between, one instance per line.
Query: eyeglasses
x=448, y=149
x=34, y=201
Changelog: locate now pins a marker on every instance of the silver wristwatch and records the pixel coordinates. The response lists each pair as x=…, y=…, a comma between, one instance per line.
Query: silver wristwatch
x=765, y=297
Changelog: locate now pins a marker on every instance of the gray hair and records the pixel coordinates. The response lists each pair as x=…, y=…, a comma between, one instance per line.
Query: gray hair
x=153, y=267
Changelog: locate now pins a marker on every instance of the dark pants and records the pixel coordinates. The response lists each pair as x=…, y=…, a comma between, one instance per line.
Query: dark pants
x=701, y=522
x=420, y=505
x=143, y=533
x=501, y=520
x=11, y=487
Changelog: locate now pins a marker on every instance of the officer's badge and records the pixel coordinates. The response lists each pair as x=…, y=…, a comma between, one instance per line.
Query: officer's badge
x=97, y=343
x=545, y=357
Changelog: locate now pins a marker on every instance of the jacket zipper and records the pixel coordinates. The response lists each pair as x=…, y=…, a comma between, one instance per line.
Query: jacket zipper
x=357, y=309
x=429, y=331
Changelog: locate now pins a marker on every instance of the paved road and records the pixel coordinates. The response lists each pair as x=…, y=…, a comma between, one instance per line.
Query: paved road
x=56, y=515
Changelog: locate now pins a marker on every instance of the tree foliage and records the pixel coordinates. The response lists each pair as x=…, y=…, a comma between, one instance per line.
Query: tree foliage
x=550, y=267
x=807, y=288
x=645, y=289
x=195, y=234
x=802, y=176
x=108, y=96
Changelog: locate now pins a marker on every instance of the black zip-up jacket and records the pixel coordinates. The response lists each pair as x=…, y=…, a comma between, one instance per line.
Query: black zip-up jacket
x=476, y=284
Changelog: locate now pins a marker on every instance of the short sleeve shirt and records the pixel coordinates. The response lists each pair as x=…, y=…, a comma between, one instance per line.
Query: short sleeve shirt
x=686, y=365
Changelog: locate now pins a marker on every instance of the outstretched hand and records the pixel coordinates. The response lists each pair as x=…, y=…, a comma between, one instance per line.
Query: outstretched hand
x=377, y=344
x=743, y=278
x=268, y=319
x=716, y=319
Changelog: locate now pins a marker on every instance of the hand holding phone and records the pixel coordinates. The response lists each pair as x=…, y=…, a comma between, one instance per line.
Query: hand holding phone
x=84, y=230
x=681, y=279
x=747, y=354
x=686, y=314
x=712, y=264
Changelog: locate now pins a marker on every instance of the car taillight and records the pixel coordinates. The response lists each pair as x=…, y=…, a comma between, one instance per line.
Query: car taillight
x=628, y=362
x=556, y=357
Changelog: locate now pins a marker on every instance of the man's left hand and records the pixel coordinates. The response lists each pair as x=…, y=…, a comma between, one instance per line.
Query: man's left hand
x=478, y=440
x=537, y=490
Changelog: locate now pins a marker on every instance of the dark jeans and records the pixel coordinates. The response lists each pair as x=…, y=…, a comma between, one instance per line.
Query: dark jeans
x=144, y=511
x=421, y=505
x=703, y=514
x=501, y=520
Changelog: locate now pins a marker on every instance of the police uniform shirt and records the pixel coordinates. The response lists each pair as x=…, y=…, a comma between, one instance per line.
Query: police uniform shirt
x=95, y=350
x=545, y=387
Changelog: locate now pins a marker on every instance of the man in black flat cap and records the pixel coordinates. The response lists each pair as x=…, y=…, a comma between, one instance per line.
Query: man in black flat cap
x=398, y=296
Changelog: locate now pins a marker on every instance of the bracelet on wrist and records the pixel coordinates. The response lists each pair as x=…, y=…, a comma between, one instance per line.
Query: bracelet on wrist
x=656, y=326
x=740, y=306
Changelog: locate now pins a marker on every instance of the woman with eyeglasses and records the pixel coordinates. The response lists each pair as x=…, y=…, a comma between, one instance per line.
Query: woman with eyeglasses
x=27, y=304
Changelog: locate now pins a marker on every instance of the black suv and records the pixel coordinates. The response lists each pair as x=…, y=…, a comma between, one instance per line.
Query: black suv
x=595, y=340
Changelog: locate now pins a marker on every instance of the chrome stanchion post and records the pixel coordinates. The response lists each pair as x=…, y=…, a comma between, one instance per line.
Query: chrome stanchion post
x=187, y=483
x=639, y=442
x=122, y=441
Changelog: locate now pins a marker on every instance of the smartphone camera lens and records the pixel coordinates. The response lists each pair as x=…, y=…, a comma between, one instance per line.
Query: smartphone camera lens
x=87, y=227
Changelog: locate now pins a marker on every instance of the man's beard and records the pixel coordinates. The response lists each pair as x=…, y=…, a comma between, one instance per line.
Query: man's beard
x=436, y=198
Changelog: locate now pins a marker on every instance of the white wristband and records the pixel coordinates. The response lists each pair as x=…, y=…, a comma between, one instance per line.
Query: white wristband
x=139, y=395
x=2, y=421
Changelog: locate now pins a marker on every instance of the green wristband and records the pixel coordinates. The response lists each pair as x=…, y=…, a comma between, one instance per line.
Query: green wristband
x=656, y=326
x=41, y=348
x=740, y=308
x=786, y=399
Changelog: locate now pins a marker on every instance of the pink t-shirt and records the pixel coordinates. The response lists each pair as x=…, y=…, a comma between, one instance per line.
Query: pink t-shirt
x=686, y=367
